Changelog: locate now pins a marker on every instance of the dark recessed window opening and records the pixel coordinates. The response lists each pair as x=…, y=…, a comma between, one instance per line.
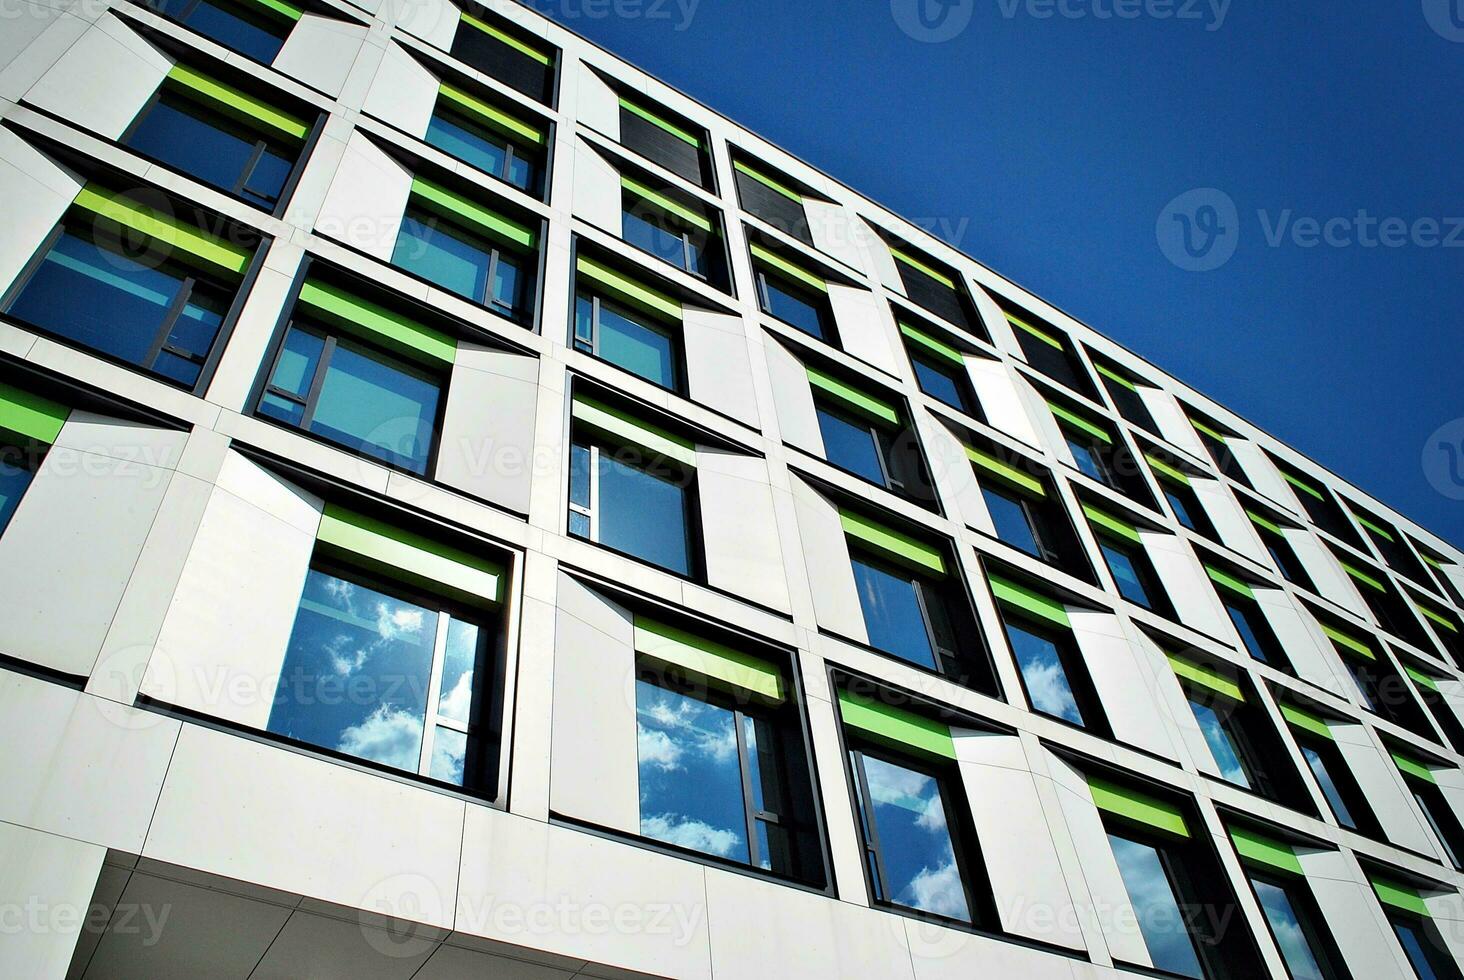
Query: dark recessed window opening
x=940, y=370
x=1248, y=618
x=666, y=139
x=1047, y=655
x=488, y=138
x=628, y=324
x=1126, y=396
x=773, y=199
x=1048, y=352
x=792, y=294
x=523, y=64
x=255, y=30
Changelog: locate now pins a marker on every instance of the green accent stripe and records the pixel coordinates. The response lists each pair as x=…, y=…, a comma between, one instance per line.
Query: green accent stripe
x=397, y=332
x=490, y=114
x=1264, y=522
x=923, y=267
x=621, y=427
x=889, y=724
x=1224, y=578
x=1007, y=472
x=1410, y=766
x=508, y=39
x=933, y=344
x=1374, y=527
x=1431, y=560
x=1364, y=577
x=1115, y=525
x=1348, y=641
x=666, y=203
x=213, y=252
x=455, y=205
x=1258, y=849
x=624, y=288
x=30, y=416
x=405, y=555
x=1207, y=677
x=1306, y=721
x=287, y=10
x=767, y=255
x=1438, y=617
x=1302, y=485
x=1115, y=377
x=1208, y=430
x=713, y=661
x=665, y=124
x=1079, y=422
x=1020, y=598
x=1400, y=897
x=767, y=181
x=853, y=398
x=895, y=545
x=1137, y=807
x=1422, y=679
x=1164, y=469
x=1034, y=331
x=239, y=104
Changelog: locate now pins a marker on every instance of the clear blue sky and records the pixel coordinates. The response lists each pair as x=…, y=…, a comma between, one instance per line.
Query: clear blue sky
x=1048, y=148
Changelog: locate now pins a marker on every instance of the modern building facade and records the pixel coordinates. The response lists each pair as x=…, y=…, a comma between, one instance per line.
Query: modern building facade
x=468, y=509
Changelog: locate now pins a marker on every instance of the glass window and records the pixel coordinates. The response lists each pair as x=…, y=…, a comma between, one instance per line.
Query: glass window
x=908, y=838
x=1253, y=634
x=247, y=29
x=15, y=477
x=1087, y=459
x=357, y=679
x=1293, y=934
x=1013, y=521
x=1180, y=506
x=895, y=611
x=1126, y=573
x=627, y=339
x=941, y=383
x=459, y=262
x=852, y=445
x=792, y=305
x=1044, y=674
x=184, y=135
x=1156, y=905
x=1328, y=786
x=651, y=230
x=1224, y=746
x=631, y=505
x=356, y=396
x=1440, y=819
x=482, y=148
x=155, y=315
x=1426, y=954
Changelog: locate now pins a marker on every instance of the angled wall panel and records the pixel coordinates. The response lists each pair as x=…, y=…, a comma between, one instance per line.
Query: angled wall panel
x=864, y=327
x=403, y=93
x=719, y=372
x=321, y=51
x=739, y=529
x=366, y=200
x=826, y=556
x=488, y=447
x=103, y=80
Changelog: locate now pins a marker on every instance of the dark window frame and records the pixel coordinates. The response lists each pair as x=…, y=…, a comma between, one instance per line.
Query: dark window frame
x=511, y=150
x=965, y=395
x=520, y=310
x=591, y=345
x=1440, y=960
x=674, y=226
x=819, y=303
x=1340, y=775
x=1309, y=917
x=1157, y=596
x=241, y=11
x=1074, y=669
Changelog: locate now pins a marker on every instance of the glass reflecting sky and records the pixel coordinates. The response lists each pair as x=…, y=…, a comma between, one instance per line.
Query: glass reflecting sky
x=1042, y=670
x=1286, y=927
x=914, y=841
x=1152, y=896
x=892, y=614
x=643, y=514
x=1222, y=747
x=1328, y=786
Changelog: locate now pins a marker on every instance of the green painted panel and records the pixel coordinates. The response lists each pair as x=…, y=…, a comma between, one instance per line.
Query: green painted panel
x=508, y=39
x=30, y=416
x=402, y=334
x=1114, y=525
x=1422, y=679
x=627, y=289
x=1302, y=485
x=713, y=661
x=1137, y=807
x=1035, y=331
x=1258, y=849
x=770, y=182
x=405, y=555
x=1171, y=472
x=621, y=427
x=933, y=344
x=923, y=267
x=1438, y=617
x=1115, y=377
x=1208, y=430
x=1080, y=423
x=1206, y=677
x=200, y=246
x=1264, y=522
x=1348, y=641
x=1365, y=578
x=1306, y=720
x=491, y=115
x=286, y=10
x=1431, y=560
x=895, y=545
x=889, y=724
x=1410, y=766
x=768, y=256
x=1224, y=578
x=1020, y=598
x=666, y=203
x=1004, y=471
x=1374, y=527
x=239, y=104
x=658, y=121
x=853, y=398
x=1400, y=897
x=455, y=205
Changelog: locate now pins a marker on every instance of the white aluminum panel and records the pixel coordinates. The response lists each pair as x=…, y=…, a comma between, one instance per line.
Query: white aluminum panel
x=321, y=51
x=366, y=200
x=403, y=93
x=488, y=447
x=739, y=530
x=103, y=80
x=719, y=372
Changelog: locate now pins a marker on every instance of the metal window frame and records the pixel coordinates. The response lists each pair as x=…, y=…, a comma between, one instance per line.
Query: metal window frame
x=592, y=346
x=511, y=151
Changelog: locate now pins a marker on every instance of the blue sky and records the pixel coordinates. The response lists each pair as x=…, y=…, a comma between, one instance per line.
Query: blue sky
x=1048, y=148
